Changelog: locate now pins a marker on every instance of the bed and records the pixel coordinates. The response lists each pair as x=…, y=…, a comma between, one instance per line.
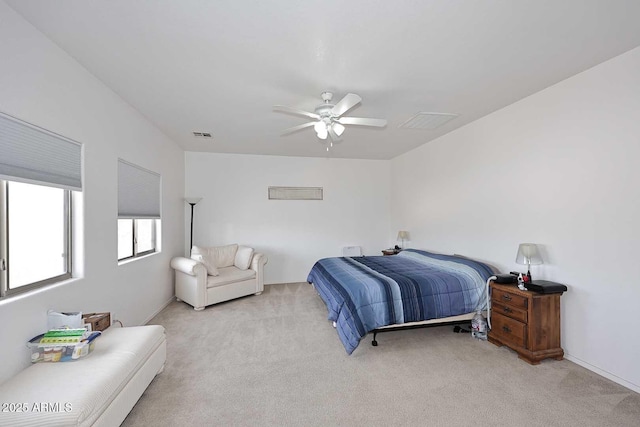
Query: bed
x=365, y=294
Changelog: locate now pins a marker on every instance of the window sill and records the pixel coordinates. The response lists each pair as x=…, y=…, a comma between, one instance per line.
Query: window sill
x=130, y=260
x=31, y=293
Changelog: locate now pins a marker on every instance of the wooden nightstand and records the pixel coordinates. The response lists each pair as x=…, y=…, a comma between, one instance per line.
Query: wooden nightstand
x=526, y=322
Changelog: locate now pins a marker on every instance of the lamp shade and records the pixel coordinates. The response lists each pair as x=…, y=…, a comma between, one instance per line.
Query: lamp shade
x=528, y=254
x=403, y=235
x=321, y=130
x=338, y=128
x=192, y=200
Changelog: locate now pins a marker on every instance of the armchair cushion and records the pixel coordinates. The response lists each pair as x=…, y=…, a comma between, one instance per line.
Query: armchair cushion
x=223, y=256
x=220, y=256
x=230, y=275
x=243, y=257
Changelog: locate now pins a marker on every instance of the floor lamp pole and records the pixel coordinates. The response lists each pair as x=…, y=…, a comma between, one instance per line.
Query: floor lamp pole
x=192, y=201
x=191, y=241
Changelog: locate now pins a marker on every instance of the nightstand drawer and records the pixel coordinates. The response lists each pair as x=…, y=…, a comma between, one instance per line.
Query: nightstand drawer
x=513, y=300
x=509, y=311
x=508, y=329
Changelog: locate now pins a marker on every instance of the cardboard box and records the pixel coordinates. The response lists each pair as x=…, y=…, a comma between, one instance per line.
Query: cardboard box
x=98, y=321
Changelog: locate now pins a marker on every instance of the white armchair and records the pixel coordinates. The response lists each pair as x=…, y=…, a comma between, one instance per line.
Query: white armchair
x=216, y=274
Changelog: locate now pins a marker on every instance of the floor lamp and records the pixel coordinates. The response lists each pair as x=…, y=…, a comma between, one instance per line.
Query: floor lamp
x=192, y=201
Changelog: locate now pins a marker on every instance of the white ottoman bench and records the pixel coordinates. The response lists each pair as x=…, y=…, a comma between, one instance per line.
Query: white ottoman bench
x=98, y=390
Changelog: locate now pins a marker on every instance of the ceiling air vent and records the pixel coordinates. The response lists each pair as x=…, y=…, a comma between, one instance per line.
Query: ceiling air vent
x=202, y=134
x=295, y=193
x=428, y=121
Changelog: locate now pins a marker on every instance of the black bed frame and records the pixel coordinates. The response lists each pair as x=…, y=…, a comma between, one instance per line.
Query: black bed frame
x=375, y=332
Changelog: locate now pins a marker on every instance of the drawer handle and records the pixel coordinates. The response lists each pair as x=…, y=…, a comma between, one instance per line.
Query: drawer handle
x=507, y=297
x=506, y=329
x=507, y=310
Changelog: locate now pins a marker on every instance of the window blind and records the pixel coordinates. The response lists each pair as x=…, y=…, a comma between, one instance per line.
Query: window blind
x=34, y=155
x=138, y=192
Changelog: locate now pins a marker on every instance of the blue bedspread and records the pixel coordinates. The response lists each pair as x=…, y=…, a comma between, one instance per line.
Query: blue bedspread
x=365, y=293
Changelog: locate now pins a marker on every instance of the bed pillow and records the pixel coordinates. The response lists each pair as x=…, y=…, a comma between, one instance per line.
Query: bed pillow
x=243, y=257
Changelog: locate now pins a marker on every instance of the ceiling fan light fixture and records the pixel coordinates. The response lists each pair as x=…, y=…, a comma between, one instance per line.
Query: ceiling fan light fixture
x=328, y=120
x=338, y=128
x=321, y=130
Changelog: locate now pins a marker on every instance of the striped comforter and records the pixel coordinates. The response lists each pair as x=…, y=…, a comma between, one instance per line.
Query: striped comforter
x=365, y=293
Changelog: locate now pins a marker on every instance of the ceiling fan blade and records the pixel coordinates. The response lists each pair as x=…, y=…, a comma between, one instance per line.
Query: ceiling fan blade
x=349, y=101
x=361, y=121
x=297, y=128
x=285, y=109
x=332, y=134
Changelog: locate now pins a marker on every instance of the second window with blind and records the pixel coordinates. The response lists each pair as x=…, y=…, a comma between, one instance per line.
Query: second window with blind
x=138, y=211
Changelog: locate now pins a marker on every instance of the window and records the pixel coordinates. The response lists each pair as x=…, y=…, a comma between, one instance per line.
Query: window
x=39, y=171
x=145, y=235
x=125, y=239
x=136, y=237
x=37, y=222
x=138, y=211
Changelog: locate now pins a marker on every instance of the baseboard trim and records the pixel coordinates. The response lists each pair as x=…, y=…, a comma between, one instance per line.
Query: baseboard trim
x=286, y=283
x=155, y=313
x=608, y=375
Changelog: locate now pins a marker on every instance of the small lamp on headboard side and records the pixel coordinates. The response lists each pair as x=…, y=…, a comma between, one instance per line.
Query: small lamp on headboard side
x=528, y=254
x=403, y=235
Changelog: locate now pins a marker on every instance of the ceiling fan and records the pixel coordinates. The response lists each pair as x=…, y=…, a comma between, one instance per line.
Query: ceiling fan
x=328, y=120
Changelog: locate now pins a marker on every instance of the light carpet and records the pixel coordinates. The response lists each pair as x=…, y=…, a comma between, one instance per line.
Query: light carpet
x=274, y=360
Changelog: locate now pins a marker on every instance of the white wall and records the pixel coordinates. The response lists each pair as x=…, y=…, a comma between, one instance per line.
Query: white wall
x=293, y=234
x=41, y=84
x=559, y=169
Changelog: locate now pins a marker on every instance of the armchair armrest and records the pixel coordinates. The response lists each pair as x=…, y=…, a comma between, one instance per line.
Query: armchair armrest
x=190, y=281
x=188, y=266
x=257, y=265
x=258, y=261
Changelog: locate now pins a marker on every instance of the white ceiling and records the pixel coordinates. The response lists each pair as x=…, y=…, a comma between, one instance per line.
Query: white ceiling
x=220, y=66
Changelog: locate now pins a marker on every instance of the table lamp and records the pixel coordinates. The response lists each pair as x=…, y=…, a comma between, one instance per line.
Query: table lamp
x=403, y=235
x=528, y=254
